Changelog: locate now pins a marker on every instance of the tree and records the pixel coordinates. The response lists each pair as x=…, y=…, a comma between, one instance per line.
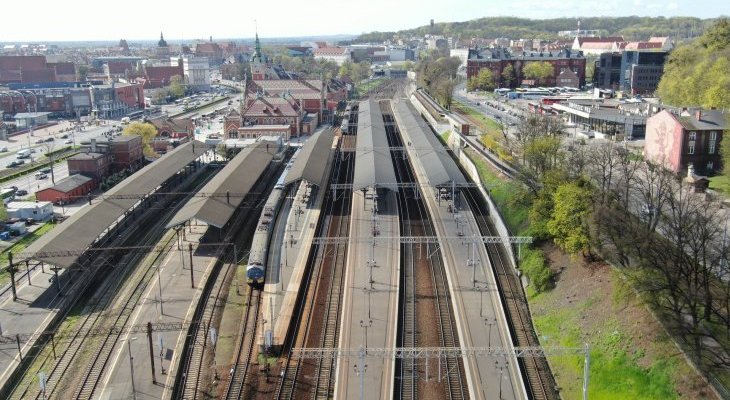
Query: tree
x=482, y=81
x=49, y=147
x=569, y=227
x=438, y=76
x=148, y=133
x=537, y=70
x=82, y=72
x=698, y=73
x=176, y=89
x=508, y=75
x=158, y=97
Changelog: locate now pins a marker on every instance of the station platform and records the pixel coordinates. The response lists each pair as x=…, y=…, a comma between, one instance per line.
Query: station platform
x=293, y=235
x=37, y=305
x=478, y=311
x=177, y=306
x=369, y=312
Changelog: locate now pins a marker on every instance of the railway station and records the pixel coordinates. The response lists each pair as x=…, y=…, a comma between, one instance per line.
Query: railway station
x=368, y=242
x=292, y=235
x=98, y=226
x=468, y=269
x=369, y=310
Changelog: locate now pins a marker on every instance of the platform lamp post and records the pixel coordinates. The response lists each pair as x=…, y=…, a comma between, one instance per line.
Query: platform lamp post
x=365, y=325
x=360, y=369
x=159, y=286
x=501, y=374
x=490, y=324
x=131, y=365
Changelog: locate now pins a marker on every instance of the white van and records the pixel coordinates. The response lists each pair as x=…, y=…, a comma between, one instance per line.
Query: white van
x=25, y=153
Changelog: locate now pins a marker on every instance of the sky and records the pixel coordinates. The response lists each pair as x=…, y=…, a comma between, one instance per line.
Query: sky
x=53, y=20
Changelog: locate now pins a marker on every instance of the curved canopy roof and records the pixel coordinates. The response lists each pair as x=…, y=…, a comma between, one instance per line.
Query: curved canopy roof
x=440, y=168
x=373, y=164
x=226, y=191
x=61, y=245
x=311, y=162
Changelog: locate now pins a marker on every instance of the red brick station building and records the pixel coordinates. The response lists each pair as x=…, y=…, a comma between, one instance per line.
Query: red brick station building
x=565, y=61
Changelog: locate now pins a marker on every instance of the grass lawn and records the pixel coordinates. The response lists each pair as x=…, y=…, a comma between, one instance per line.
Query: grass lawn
x=19, y=247
x=363, y=87
x=486, y=125
x=504, y=192
x=721, y=183
x=631, y=357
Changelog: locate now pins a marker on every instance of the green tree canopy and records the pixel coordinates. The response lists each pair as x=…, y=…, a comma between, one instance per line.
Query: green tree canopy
x=508, y=75
x=437, y=76
x=537, y=70
x=148, y=133
x=176, y=89
x=482, y=81
x=698, y=73
x=569, y=225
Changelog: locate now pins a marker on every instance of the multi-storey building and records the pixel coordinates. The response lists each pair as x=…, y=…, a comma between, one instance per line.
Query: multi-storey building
x=678, y=138
x=641, y=70
x=497, y=59
x=195, y=69
x=607, y=72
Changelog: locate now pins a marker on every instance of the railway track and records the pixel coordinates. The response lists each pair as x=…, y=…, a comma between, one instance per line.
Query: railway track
x=535, y=370
x=195, y=356
x=323, y=285
x=424, y=292
x=244, y=347
x=97, y=312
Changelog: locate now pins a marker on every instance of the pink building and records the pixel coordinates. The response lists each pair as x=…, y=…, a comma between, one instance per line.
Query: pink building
x=679, y=138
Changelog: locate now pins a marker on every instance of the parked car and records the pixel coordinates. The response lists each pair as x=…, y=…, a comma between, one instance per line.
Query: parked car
x=40, y=175
x=68, y=141
x=46, y=170
x=3, y=149
x=21, y=192
x=50, y=139
x=15, y=163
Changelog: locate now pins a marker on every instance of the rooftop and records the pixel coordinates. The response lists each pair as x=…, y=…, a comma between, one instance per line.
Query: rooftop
x=70, y=183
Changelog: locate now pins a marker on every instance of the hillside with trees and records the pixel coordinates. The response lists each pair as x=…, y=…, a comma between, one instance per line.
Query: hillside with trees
x=698, y=73
x=631, y=28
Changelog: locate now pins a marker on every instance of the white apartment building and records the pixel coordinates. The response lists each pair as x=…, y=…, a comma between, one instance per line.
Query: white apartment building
x=196, y=70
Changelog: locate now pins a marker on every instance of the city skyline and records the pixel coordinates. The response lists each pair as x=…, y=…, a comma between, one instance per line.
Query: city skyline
x=50, y=22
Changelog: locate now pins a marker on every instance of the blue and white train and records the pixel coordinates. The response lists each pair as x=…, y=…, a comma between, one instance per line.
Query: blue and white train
x=256, y=268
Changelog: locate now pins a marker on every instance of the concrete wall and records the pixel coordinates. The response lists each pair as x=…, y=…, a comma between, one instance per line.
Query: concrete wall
x=455, y=141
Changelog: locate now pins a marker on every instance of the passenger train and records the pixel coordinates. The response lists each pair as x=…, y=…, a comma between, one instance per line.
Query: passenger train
x=256, y=268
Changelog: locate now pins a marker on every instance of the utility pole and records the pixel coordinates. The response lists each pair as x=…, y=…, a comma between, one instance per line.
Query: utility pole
x=12, y=270
x=192, y=279
x=152, y=352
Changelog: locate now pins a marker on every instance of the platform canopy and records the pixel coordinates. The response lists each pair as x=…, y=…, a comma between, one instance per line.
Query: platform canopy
x=85, y=226
x=311, y=163
x=226, y=191
x=440, y=168
x=373, y=163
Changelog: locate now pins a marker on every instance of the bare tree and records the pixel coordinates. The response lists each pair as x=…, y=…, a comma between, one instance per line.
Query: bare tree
x=605, y=161
x=49, y=146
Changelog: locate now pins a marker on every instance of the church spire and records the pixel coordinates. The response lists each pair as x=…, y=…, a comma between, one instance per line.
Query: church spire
x=162, y=42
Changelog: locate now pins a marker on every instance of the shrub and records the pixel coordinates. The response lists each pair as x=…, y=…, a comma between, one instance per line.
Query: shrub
x=537, y=271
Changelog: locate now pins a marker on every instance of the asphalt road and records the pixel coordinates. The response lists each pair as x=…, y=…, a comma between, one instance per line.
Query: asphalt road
x=16, y=143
